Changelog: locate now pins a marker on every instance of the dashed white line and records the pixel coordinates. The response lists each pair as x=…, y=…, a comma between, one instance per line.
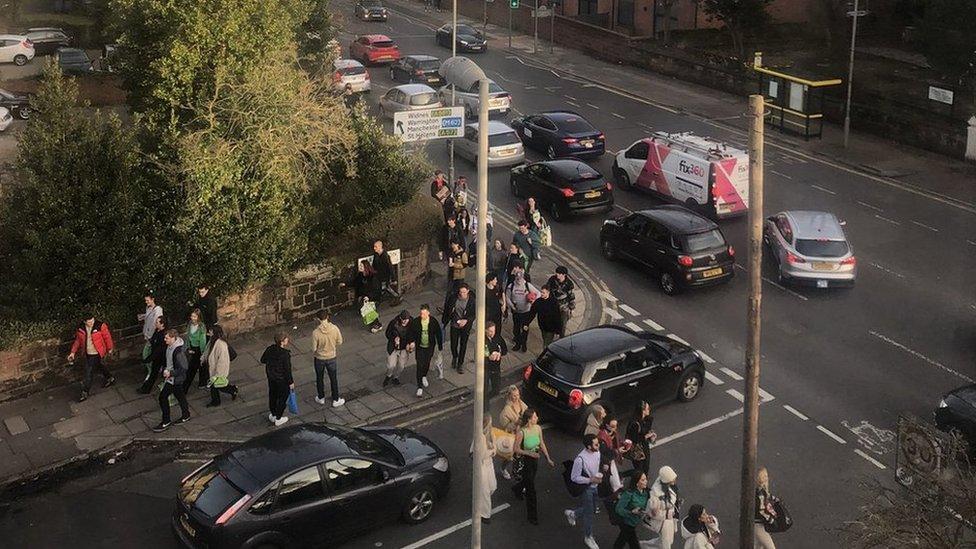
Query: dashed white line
x=785, y=289
x=919, y=355
x=612, y=313
x=731, y=374
x=450, y=530
x=713, y=379
x=530, y=87
x=620, y=116
x=571, y=103
x=736, y=395
x=783, y=175
x=696, y=428
x=872, y=206
x=973, y=242
x=609, y=297
x=795, y=412
x=924, y=226
x=646, y=127
x=831, y=434
x=875, y=462
x=628, y=309
x=678, y=339
x=887, y=270
x=819, y=188
x=570, y=97
x=591, y=105
x=654, y=325
x=634, y=326
x=552, y=89
x=705, y=357
x=764, y=396
x=892, y=221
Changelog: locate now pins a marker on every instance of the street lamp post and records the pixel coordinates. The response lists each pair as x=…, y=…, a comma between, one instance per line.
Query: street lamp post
x=850, y=74
x=450, y=144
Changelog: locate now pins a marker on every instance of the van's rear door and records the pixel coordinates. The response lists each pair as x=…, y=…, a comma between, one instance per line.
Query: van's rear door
x=730, y=186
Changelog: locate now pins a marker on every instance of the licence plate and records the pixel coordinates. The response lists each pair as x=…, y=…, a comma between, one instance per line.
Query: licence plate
x=823, y=266
x=551, y=391
x=506, y=152
x=588, y=143
x=592, y=194
x=711, y=272
x=186, y=526
x=496, y=102
x=821, y=283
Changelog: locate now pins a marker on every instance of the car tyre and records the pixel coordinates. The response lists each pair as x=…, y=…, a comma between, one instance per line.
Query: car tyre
x=419, y=505
x=668, y=284
x=557, y=212
x=608, y=250
x=623, y=180
x=551, y=152
x=515, y=189
x=20, y=60
x=690, y=387
x=23, y=113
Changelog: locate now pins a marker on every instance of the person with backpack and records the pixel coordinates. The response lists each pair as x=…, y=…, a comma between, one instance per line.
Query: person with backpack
x=396, y=348
x=765, y=512
x=629, y=511
x=519, y=297
x=585, y=476
x=424, y=334
x=174, y=377
x=218, y=358
x=663, y=508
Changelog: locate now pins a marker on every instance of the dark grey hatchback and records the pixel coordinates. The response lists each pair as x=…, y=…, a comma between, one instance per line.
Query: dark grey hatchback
x=310, y=485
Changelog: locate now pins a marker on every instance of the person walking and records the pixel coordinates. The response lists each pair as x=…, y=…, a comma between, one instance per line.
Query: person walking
x=486, y=467
x=174, y=376
x=196, y=339
x=497, y=262
x=509, y=420
x=383, y=266
x=450, y=234
x=545, y=310
x=148, y=319
x=595, y=420
x=94, y=337
x=519, y=297
x=697, y=528
x=640, y=434
x=157, y=356
x=473, y=240
x=514, y=260
x=528, y=241
x=438, y=186
x=207, y=304
x=495, y=309
x=423, y=334
x=765, y=513
x=529, y=212
x=630, y=508
x=326, y=339
x=365, y=283
x=663, y=508
x=530, y=445
x=587, y=471
x=464, y=224
x=277, y=365
x=459, y=314
x=610, y=440
x=218, y=359
x=396, y=347
x=457, y=263
x=563, y=289
x=495, y=349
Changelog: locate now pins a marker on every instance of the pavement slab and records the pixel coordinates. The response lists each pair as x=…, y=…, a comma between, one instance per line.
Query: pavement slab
x=16, y=425
x=101, y=438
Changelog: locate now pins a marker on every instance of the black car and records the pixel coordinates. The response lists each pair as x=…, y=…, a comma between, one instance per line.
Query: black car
x=563, y=187
x=47, y=40
x=310, y=485
x=469, y=39
x=371, y=10
x=417, y=68
x=560, y=133
x=682, y=248
x=614, y=367
x=17, y=104
x=74, y=61
x=957, y=413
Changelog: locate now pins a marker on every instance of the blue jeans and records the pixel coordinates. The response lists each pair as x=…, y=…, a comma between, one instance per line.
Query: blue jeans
x=331, y=366
x=586, y=510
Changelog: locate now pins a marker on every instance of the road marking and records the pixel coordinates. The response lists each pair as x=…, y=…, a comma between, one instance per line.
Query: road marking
x=736, y=395
x=530, y=87
x=620, y=116
x=628, y=309
x=714, y=380
x=593, y=106
x=705, y=357
x=876, y=463
x=654, y=325
x=888, y=220
x=781, y=174
x=872, y=206
x=924, y=226
x=615, y=205
x=608, y=296
x=448, y=531
x=919, y=355
x=696, y=428
x=795, y=412
x=887, y=270
x=645, y=126
x=570, y=97
x=819, y=188
x=573, y=104
x=678, y=339
x=785, y=289
x=831, y=434
x=764, y=396
x=731, y=374
x=552, y=89
x=973, y=242
x=634, y=326
x=612, y=313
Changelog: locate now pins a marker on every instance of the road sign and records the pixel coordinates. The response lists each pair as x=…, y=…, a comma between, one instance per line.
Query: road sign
x=542, y=11
x=421, y=125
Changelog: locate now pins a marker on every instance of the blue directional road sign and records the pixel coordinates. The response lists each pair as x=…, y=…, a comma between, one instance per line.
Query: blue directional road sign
x=437, y=123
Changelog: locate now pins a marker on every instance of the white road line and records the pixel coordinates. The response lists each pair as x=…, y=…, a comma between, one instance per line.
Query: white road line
x=593, y=106
x=787, y=290
x=552, y=89
x=573, y=104
x=620, y=116
x=448, y=531
x=764, y=396
x=634, y=326
x=872, y=206
x=570, y=97
x=919, y=355
x=795, y=412
x=924, y=226
x=819, y=188
x=654, y=325
x=628, y=309
x=731, y=374
x=887, y=270
x=616, y=205
x=973, y=242
x=713, y=379
x=888, y=220
x=696, y=428
x=831, y=434
x=876, y=463
x=646, y=127
x=678, y=339
x=609, y=297
x=781, y=174
x=736, y=395
x=612, y=313
x=740, y=267
x=705, y=357
x=530, y=87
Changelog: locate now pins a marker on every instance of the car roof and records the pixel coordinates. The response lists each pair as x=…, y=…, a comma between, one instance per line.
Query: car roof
x=966, y=393
x=13, y=36
x=346, y=63
x=678, y=219
x=414, y=89
x=495, y=127
x=815, y=225
x=569, y=168
x=421, y=57
x=377, y=37
x=594, y=344
x=44, y=29
x=561, y=116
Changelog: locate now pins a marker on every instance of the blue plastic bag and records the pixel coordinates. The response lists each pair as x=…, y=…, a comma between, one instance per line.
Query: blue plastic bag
x=292, y=403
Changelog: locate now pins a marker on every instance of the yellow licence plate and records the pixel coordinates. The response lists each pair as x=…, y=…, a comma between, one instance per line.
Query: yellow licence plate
x=592, y=194
x=551, y=391
x=496, y=102
x=186, y=526
x=506, y=152
x=823, y=266
x=711, y=272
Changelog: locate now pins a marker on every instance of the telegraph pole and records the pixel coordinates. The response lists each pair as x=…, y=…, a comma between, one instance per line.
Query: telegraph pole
x=512, y=4
x=535, y=23
x=552, y=24
x=450, y=142
x=750, y=404
x=850, y=74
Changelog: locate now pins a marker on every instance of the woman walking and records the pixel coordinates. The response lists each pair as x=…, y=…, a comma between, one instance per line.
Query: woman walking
x=218, y=362
x=196, y=342
x=497, y=260
x=610, y=440
x=277, y=365
x=595, y=420
x=486, y=468
x=514, y=260
x=630, y=508
x=640, y=434
x=365, y=283
x=509, y=420
x=765, y=513
x=529, y=446
x=662, y=508
x=698, y=528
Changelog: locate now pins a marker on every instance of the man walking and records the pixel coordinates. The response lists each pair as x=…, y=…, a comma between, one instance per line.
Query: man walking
x=277, y=365
x=157, y=356
x=459, y=314
x=586, y=471
x=519, y=296
x=148, y=320
x=495, y=349
x=326, y=340
x=494, y=302
x=174, y=375
x=95, y=338
x=423, y=334
x=545, y=309
x=396, y=346
x=450, y=234
x=383, y=266
x=527, y=240
x=207, y=304
x=563, y=289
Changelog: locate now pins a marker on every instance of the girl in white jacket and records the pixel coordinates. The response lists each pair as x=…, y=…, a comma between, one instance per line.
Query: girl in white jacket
x=698, y=529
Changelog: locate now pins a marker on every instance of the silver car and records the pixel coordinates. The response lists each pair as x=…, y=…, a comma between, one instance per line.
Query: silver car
x=504, y=146
x=408, y=97
x=810, y=248
x=352, y=73
x=466, y=95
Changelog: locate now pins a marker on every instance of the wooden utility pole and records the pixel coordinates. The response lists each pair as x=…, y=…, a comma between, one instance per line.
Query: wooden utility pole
x=750, y=420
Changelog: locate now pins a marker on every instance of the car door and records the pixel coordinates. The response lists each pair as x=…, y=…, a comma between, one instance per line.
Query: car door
x=658, y=382
x=387, y=102
x=539, y=174
x=7, y=50
x=546, y=135
x=302, y=508
x=634, y=163
x=655, y=246
x=530, y=130
x=622, y=381
x=364, y=491
x=781, y=237
x=631, y=231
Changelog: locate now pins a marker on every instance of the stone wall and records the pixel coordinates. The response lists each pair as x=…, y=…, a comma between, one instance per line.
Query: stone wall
x=300, y=295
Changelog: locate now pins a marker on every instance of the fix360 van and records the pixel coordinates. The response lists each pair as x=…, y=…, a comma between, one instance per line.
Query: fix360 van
x=701, y=173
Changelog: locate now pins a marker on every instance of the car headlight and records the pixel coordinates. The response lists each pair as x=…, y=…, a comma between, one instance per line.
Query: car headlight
x=942, y=403
x=463, y=43
x=441, y=464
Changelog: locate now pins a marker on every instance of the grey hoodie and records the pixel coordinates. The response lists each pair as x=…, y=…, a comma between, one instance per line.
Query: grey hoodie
x=176, y=362
x=517, y=294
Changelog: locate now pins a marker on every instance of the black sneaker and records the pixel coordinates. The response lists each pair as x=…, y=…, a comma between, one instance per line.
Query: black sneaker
x=386, y=381
x=212, y=404
x=396, y=381
x=183, y=419
x=83, y=397
x=108, y=383
x=161, y=427
x=235, y=394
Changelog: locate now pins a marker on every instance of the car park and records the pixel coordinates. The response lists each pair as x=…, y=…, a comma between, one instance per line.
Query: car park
x=560, y=134
x=17, y=104
x=351, y=73
x=810, y=248
x=564, y=187
x=16, y=49
x=613, y=367
x=682, y=248
x=417, y=68
x=373, y=49
x=5, y=118
x=310, y=485
x=504, y=147
x=956, y=413
x=469, y=39
x=47, y=40
x=408, y=97
x=371, y=10
x=74, y=61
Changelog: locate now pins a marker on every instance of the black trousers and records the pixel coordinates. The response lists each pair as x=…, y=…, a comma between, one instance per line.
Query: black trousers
x=195, y=365
x=519, y=322
x=92, y=363
x=527, y=485
x=627, y=536
x=277, y=397
x=215, y=393
x=493, y=378
x=459, y=343
x=423, y=363
x=177, y=391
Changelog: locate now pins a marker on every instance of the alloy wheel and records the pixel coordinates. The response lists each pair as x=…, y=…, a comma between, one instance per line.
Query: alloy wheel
x=421, y=505
x=668, y=284
x=690, y=388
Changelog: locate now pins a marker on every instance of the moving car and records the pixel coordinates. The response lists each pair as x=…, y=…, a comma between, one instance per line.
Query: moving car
x=564, y=187
x=810, y=248
x=504, y=147
x=309, y=485
x=16, y=49
x=682, y=248
x=469, y=39
x=352, y=73
x=5, y=118
x=374, y=48
x=612, y=366
x=74, y=61
x=466, y=94
x=559, y=134
x=957, y=413
x=371, y=10
x=417, y=68
x=17, y=104
x=47, y=40
x=408, y=97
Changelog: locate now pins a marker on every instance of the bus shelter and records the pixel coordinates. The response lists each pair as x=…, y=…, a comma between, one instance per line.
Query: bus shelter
x=794, y=104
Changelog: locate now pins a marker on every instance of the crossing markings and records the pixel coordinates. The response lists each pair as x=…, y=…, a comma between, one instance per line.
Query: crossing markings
x=764, y=396
x=681, y=434
x=654, y=325
x=609, y=297
x=620, y=116
x=795, y=412
x=678, y=339
x=591, y=105
x=450, y=530
x=819, y=188
x=713, y=379
x=573, y=104
x=628, y=309
x=875, y=462
x=634, y=326
x=570, y=97
x=831, y=434
x=613, y=314
x=731, y=373
x=705, y=357
x=736, y=395
x=924, y=226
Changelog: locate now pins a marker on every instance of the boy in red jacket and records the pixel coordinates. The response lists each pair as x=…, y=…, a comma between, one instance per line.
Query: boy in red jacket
x=94, y=337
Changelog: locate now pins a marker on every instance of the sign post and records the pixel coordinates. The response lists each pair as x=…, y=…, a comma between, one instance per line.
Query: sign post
x=422, y=125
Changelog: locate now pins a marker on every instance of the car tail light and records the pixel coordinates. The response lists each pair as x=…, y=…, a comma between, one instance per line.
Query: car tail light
x=195, y=471
x=849, y=261
x=233, y=509
x=27, y=43
x=419, y=72
x=568, y=193
x=685, y=261
x=527, y=372
x=792, y=258
x=731, y=251
x=609, y=186
x=575, y=399
x=569, y=140
x=601, y=137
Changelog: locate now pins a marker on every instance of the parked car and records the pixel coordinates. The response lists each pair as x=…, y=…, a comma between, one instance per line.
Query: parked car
x=310, y=485
x=352, y=73
x=16, y=49
x=559, y=134
x=408, y=97
x=469, y=39
x=371, y=10
x=504, y=146
x=17, y=104
x=612, y=366
x=810, y=248
x=466, y=94
x=74, y=61
x=374, y=48
x=682, y=248
x=5, y=118
x=957, y=413
x=417, y=68
x=47, y=40
x=564, y=187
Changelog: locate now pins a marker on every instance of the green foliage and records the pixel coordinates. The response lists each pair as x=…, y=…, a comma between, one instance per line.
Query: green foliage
x=948, y=37
x=315, y=34
x=739, y=16
x=14, y=334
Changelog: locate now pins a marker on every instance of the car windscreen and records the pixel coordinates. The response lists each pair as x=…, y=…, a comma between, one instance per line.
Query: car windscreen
x=382, y=44
x=74, y=57
x=559, y=368
x=502, y=139
x=574, y=124
x=495, y=88
x=464, y=29
x=707, y=240
x=429, y=65
x=821, y=248
x=352, y=71
x=421, y=99
x=209, y=491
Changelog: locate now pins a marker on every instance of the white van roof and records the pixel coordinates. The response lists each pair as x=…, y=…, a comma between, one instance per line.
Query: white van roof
x=697, y=145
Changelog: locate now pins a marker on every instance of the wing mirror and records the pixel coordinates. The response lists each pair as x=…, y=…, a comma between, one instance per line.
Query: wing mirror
x=843, y=223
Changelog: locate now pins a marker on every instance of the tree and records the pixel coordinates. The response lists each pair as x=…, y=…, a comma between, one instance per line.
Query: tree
x=739, y=17
x=948, y=38
x=315, y=35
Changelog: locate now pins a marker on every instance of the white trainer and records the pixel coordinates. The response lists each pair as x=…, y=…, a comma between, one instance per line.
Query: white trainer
x=590, y=542
x=423, y=380
x=570, y=516
x=420, y=392
x=320, y=400
x=281, y=421
x=337, y=403
x=271, y=418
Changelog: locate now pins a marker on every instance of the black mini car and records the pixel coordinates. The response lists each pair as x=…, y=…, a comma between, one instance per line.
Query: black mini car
x=371, y=10
x=563, y=187
x=682, y=248
x=957, y=413
x=310, y=485
x=611, y=366
x=17, y=104
x=417, y=68
x=559, y=134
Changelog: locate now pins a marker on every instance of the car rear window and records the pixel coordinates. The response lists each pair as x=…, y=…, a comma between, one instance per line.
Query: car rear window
x=74, y=57
x=430, y=65
x=559, y=368
x=574, y=124
x=821, y=248
x=495, y=88
x=704, y=241
x=502, y=139
x=209, y=491
x=382, y=44
x=423, y=99
x=352, y=71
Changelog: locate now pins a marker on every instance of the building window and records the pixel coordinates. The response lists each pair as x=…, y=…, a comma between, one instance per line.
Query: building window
x=588, y=7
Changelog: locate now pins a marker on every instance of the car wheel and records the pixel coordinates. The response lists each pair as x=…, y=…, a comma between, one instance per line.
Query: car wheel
x=623, y=180
x=557, y=212
x=668, y=284
x=515, y=189
x=23, y=113
x=551, y=152
x=419, y=505
x=689, y=387
x=382, y=112
x=20, y=60
x=392, y=74
x=608, y=250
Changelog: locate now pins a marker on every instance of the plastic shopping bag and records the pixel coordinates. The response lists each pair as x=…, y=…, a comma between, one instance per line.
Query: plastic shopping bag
x=368, y=312
x=292, y=402
x=504, y=443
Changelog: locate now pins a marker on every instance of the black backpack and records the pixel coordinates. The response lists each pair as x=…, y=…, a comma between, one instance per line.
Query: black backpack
x=575, y=489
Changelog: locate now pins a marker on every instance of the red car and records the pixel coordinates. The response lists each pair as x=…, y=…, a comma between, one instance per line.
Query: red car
x=374, y=48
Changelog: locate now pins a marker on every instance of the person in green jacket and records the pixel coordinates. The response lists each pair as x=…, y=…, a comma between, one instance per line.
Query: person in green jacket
x=630, y=507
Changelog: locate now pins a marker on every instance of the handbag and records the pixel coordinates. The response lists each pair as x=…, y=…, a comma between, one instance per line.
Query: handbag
x=368, y=312
x=575, y=489
x=293, y=402
x=782, y=521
